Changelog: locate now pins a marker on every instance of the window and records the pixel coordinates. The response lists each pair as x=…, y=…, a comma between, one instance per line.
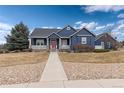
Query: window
x=83, y=40
x=64, y=42
x=109, y=44
x=68, y=28
x=102, y=44
x=40, y=42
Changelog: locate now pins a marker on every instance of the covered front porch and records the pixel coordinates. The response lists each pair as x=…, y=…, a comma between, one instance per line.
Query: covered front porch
x=50, y=43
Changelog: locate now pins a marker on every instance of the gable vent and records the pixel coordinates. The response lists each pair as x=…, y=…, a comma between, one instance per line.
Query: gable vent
x=68, y=28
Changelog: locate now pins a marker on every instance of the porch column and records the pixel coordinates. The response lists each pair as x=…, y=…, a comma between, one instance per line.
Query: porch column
x=70, y=42
x=29, y=43
x=59, y=43
x=47, y=42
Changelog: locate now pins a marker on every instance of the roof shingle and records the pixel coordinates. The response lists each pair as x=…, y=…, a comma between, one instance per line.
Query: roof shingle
x=41, y=32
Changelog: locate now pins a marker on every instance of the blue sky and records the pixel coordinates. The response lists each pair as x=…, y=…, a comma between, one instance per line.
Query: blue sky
x=97, y=19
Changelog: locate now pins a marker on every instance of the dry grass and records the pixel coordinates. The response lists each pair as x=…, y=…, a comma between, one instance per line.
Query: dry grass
x=22, y=58
x=108, y=57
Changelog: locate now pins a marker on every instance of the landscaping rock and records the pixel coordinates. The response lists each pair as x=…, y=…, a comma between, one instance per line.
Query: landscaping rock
x=79, y=71
x=21, y=73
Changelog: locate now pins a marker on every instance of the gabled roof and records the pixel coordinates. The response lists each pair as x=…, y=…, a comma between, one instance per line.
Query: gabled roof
x=71, y=31
x=90, y=32
x=44, y=33
x=100, y=35
x=84, y=29
x=75, y=30
x=41, y=32
x=53, y=34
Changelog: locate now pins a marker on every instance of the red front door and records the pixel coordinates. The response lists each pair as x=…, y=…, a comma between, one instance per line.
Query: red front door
x=53, y=44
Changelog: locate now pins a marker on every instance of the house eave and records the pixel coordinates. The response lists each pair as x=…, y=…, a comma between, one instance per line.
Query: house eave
x=84, y=35
x=86, y=30
x=65, y=27
x=53, y=33
x=37, y=37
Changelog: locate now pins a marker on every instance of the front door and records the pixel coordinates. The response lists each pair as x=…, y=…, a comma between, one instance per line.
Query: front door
x=53, y=44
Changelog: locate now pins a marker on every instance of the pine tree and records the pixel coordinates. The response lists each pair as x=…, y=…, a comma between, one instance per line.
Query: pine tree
x=18, y=39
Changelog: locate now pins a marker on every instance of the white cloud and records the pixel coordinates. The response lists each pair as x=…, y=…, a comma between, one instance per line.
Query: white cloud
x=104, y=28
x=82, y=25
x=102, y=8
x=59, y=28
x=4, y=26
x=3, y=34
x=116, y=33
x=4, y=31
x=120, y=21
x=90, y=25
x=47, y=27
x=78, y=22
x=120, y=16
x=110, y=25
x=120, y=27
x=100, y=27
x=50, y=27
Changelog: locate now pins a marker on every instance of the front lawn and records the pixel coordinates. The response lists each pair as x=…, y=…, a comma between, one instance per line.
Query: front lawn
x=9, y=59
x=107, y=57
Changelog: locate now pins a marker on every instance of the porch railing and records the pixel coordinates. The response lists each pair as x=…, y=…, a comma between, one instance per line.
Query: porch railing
x=65, y=47
x=39, y=46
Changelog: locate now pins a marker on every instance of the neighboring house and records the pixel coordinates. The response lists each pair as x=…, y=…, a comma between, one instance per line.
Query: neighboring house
x=105, y=41
x=65, y=38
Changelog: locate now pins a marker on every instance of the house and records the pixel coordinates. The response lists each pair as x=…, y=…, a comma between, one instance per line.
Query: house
x=65, y=38
x=105, y=41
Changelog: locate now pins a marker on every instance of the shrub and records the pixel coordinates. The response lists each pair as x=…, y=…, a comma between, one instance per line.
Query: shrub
x=83, y=48
x=65, y=50
x=101, y=50
x=1, y=51
x=115, y=47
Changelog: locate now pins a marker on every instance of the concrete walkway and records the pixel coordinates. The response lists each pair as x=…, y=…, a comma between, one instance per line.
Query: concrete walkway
x=53, y=70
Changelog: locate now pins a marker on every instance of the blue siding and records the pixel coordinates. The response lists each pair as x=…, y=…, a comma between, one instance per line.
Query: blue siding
x=97, y=42
x=66, y=33
x=75, y=39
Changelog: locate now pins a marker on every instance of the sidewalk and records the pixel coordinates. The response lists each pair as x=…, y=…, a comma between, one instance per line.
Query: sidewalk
x=103, y=83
